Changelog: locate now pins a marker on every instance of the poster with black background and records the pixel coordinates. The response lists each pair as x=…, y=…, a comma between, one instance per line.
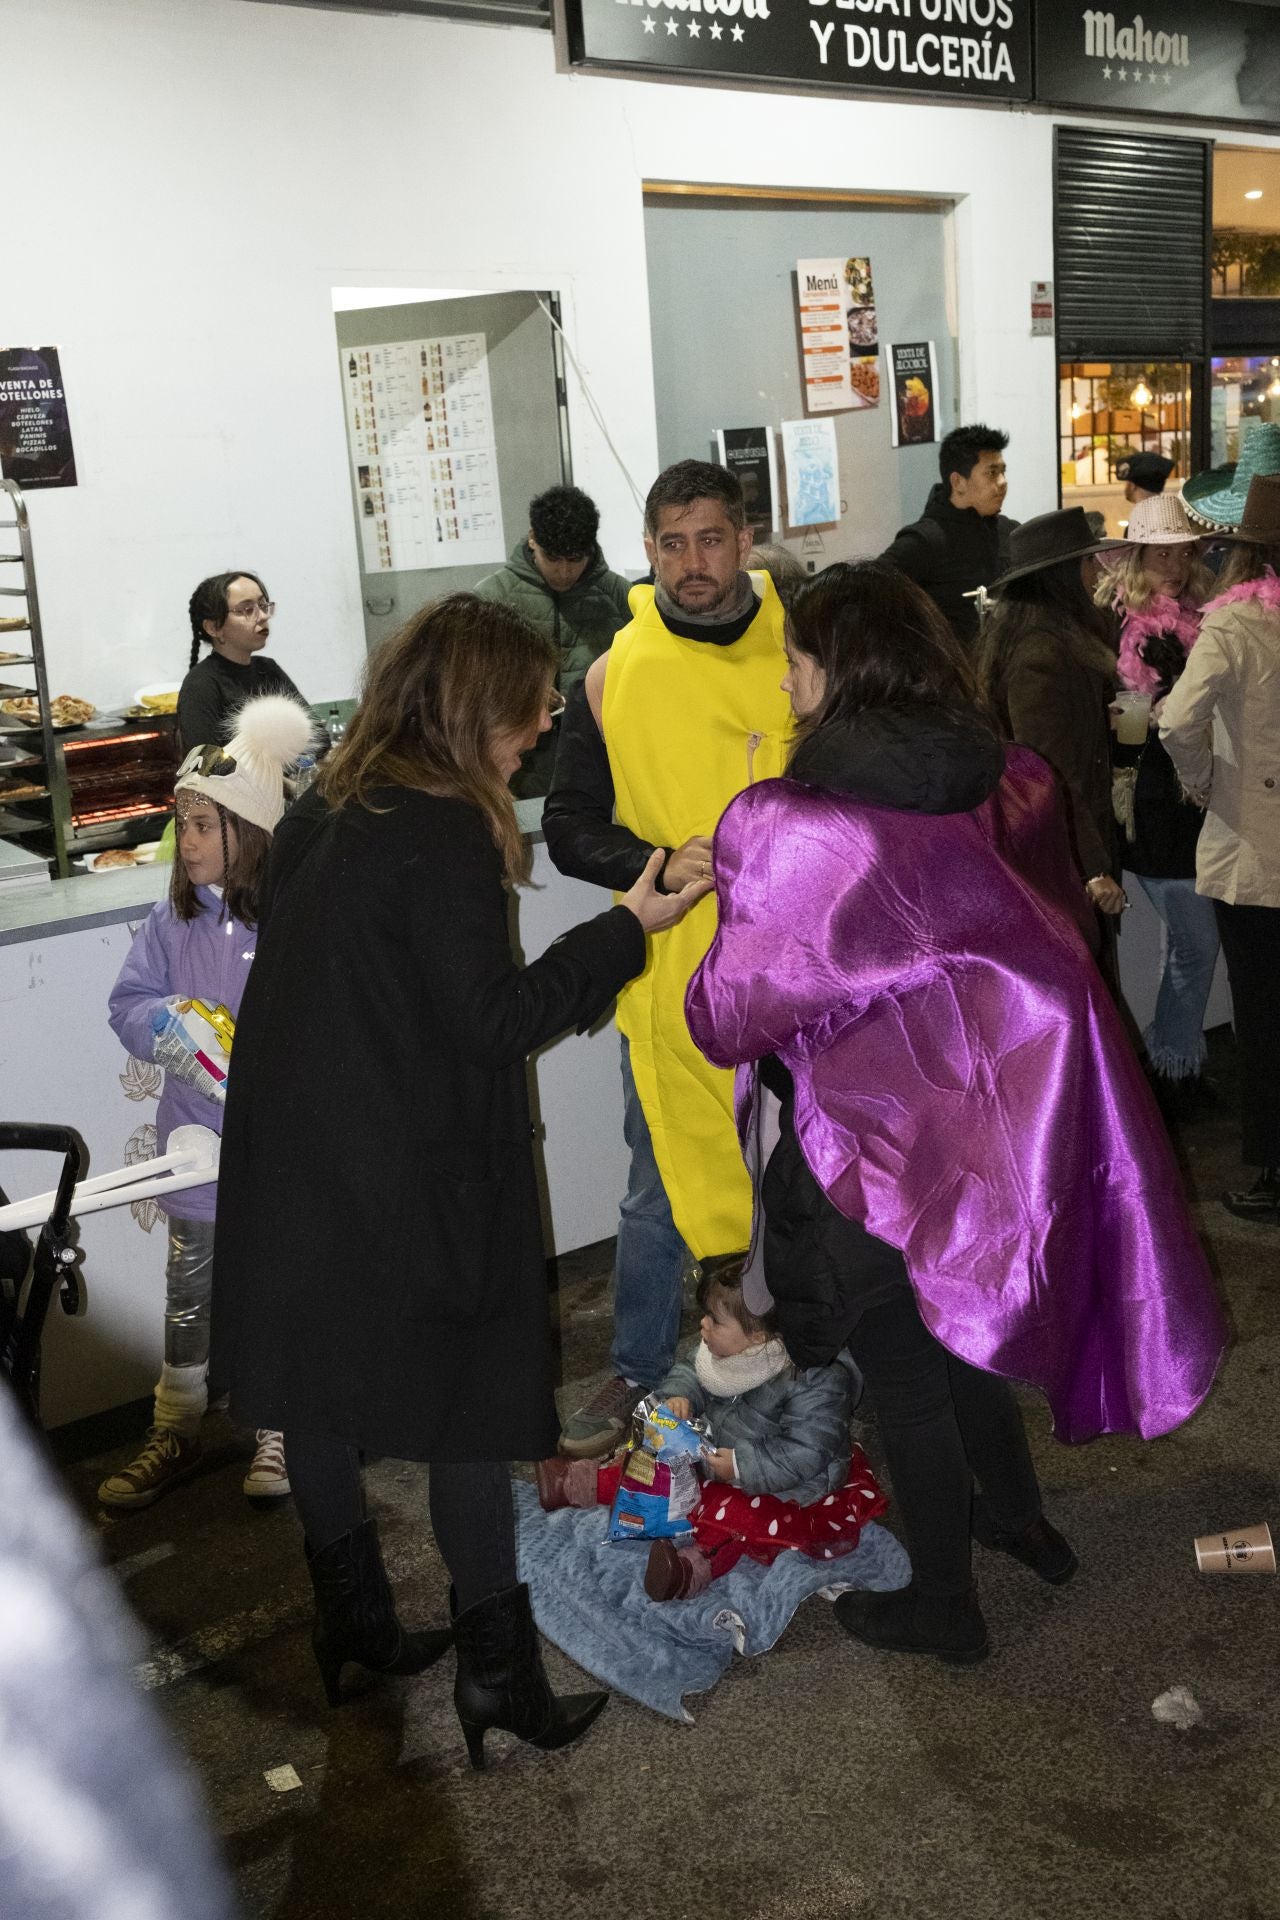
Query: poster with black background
x=913, y=376
x=748, y=452
x=974, y=49
x=1214, y=59
x=35, y=433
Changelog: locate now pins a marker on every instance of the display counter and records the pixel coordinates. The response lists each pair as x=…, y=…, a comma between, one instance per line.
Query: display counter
x=61, y=948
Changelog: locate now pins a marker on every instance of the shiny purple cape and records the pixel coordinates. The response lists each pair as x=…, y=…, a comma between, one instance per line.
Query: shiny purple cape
x=964, y=1087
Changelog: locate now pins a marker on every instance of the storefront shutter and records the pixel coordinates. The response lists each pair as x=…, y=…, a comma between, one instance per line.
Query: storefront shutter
x=499, y=13
x=1131, y=245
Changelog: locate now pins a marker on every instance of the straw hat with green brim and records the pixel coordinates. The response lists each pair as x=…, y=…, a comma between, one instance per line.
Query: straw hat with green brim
x=1260, y=520
x=1048, y=539
x=1217, y=498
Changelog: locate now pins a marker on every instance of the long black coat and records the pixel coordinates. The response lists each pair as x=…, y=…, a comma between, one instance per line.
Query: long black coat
x=379, y=1272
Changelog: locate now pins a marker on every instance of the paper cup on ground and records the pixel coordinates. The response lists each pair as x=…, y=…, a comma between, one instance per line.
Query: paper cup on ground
x=1242, y=1550
x=1133, y=718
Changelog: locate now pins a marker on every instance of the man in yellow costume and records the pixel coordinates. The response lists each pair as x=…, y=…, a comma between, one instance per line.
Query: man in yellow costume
x=683, y=711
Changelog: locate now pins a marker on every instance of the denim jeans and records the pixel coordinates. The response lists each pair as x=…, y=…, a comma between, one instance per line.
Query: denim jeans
x=1175, y=1038
x=649, y=1264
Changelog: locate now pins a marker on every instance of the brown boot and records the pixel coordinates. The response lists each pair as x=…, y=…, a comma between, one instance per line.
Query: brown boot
x=566, y=1483
x=675, y=1573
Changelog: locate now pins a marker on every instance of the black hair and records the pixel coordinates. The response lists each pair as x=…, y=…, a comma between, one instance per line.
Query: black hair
x=690, y=480
x=880, y=641
x=564, y=521
x=963, y=447
x=242, y=877
x=210, y=602
x=720, y=1280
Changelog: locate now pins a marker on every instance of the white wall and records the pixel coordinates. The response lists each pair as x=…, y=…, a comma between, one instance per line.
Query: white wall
x=199, y=173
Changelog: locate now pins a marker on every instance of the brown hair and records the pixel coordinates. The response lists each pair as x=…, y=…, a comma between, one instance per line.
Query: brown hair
x=244, y=864
x=1247, y=560
x=435, y=694
x=1131, y=578
x=880, y=641
x=720, y=1284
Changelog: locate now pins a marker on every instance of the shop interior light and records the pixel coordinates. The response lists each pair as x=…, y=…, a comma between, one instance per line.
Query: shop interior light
x=1141, y=395
x=1076, y=409
x=1273, y=391
x=1254, y=193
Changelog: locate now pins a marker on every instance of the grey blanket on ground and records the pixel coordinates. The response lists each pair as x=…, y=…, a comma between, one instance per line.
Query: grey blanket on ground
x=589, y=1599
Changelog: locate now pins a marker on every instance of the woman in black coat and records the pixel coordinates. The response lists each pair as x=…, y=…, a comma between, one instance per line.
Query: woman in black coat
x=1046, y=657
x=379, y=1274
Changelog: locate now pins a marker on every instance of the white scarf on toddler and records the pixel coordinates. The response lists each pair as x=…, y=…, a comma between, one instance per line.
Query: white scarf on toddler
x=741, y=1372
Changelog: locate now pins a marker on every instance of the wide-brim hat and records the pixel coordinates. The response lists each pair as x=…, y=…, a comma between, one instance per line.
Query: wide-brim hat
x=1043, y=541
x=1217, y=498
x=1260, y=519
x=1161, y=521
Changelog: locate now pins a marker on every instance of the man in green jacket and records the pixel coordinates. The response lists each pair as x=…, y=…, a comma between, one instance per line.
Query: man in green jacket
x=557, y=578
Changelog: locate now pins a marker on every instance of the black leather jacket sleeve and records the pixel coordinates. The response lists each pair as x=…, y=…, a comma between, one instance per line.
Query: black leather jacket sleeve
x=583, y=838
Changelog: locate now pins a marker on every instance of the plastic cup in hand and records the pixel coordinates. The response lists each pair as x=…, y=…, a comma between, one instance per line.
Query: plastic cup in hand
x=1133, y=718
x=1242, y=1550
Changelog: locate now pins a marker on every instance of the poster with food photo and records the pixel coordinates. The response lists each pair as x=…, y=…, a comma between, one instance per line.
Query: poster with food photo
x=863, y=332
x=913, y=377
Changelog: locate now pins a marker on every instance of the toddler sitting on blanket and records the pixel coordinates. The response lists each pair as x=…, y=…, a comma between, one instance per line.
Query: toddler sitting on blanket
x=782, y=1474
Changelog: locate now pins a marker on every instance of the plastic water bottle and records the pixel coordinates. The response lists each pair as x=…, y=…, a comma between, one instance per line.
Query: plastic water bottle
x=306, y=772
x=335, y=726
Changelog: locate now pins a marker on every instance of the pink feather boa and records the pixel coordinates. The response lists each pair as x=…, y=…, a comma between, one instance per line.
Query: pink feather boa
x=1163, y=614
x=1267, y=590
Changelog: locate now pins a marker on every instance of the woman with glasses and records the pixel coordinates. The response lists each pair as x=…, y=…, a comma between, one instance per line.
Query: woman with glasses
x=230, y=614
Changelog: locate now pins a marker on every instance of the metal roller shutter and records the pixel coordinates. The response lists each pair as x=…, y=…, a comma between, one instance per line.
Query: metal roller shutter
x=1132, y=234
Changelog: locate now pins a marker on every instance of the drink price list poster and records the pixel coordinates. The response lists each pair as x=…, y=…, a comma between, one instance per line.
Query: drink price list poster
x=420, y=428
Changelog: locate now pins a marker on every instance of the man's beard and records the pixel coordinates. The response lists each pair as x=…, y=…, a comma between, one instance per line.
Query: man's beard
x=705, y=606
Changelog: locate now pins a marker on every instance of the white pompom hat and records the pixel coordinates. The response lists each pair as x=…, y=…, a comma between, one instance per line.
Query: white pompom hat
x=247, y=775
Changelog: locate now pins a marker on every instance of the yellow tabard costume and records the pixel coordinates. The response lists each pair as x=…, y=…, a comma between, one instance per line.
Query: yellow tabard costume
x=688, y=725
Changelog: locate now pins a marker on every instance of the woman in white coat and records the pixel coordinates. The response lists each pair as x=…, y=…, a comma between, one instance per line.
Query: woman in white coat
x=1221, y=726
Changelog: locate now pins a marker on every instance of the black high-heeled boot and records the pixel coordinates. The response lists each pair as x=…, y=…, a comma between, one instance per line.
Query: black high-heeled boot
x=356, y=1614
x=501, y=1683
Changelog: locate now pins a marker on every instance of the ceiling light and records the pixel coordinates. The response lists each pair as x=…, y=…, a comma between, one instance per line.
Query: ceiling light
x=1141, y=395
x=1254, y=193
x=1273, y=391
x=1076, y=409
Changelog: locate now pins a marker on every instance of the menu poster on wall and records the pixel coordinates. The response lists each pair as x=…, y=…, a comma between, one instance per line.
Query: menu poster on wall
x=420, y=426
x=1210, y=59
x=812, y=471
x=35, y=432
x=913, y=377
x=748, y=452
x=839, y=334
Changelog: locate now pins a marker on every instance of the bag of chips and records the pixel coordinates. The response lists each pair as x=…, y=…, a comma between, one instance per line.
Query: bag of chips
x=660, y=1483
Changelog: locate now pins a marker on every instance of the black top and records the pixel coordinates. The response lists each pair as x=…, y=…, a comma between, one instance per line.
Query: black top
x=214, y=692
x=950, y=551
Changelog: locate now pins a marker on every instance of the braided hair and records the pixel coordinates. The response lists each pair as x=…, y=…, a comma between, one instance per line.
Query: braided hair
x=210, y=602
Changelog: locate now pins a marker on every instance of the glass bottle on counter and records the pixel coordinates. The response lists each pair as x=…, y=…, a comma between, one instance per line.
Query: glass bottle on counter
x=335, y=726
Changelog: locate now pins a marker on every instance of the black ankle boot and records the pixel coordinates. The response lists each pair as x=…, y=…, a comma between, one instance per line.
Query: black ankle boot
x=1039, y=1546
x=951, y=1629
x=1261, y=1201
x=356, y=1614
x=500, y=1681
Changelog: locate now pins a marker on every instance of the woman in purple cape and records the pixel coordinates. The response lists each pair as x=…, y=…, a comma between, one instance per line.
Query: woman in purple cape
x=961, y=1174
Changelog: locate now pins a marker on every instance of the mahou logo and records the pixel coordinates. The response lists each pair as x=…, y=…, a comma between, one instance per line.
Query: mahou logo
x=1138, y=42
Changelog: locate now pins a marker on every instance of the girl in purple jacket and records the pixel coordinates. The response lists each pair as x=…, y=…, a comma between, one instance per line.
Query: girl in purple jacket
x=175, y=1002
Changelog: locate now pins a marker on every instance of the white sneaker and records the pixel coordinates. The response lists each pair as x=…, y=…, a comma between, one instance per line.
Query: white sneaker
x=268, y=1477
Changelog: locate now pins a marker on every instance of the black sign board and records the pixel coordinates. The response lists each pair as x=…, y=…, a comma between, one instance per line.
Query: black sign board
x=1211, y=59
x=35, y=433
x=963, y=49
